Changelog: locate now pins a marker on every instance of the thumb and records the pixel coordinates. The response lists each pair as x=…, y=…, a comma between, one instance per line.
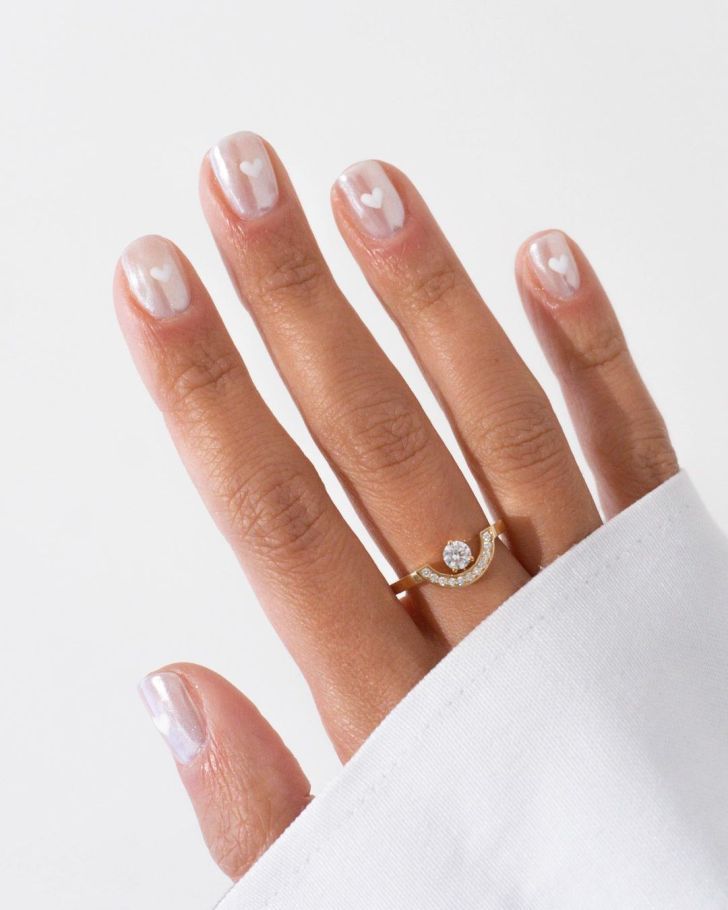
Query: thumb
x=245, y=785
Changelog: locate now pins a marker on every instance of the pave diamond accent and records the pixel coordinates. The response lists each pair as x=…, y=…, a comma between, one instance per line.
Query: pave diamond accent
x=457, y=555
x=475, y=569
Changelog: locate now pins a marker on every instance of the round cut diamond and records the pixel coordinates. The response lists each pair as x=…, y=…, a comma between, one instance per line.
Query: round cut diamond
x=457, y=555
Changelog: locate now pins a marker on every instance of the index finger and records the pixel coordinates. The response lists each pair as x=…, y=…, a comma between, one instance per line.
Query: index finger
x=359, y=651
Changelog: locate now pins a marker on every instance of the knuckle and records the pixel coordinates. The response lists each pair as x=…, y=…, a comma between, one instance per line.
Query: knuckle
x=279, y=511
x=205, y=374
x=297, y=273
x=653, y=459
x=237, y=842
x=434, y=288
x=523, y=440
x=243, y=830
x=604, y=348
x=233, y=854
x=386, y=433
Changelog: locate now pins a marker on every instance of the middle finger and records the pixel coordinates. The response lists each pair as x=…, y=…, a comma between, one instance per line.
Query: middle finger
x=364, y=417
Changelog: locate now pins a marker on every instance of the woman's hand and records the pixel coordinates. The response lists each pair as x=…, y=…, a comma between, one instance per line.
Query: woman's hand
x=360, y=648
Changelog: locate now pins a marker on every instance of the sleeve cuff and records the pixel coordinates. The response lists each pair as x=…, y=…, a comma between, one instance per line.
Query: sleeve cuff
x=572, y=752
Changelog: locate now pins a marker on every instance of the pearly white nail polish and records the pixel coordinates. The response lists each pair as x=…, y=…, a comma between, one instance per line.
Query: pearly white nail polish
x=373, y=198
x=555, y=265
x=174, y=714
x=244, y=171
x=155, y=276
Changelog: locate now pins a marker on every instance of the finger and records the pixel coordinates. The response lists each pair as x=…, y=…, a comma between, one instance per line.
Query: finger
x=620, y=429
x=245, y=785
x=510, y=435
x=323, y=593
x=362, y=414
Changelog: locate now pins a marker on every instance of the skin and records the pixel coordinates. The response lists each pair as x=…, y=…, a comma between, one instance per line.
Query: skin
x=363, y=651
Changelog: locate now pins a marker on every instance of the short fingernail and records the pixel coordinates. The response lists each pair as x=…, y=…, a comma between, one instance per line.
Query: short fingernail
x=155, y=276
x=244, y=171
x=175, y=714
x=373, y=198
x=555, y=265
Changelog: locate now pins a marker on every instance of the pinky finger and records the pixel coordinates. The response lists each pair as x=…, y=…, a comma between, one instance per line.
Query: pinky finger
x=245, y=785
x=619, y=427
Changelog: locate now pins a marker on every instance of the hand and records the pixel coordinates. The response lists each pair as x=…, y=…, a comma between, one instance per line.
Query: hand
x=360, y=648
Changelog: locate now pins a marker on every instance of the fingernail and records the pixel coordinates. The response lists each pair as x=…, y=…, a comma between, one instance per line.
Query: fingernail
x=175, y=714
x=244, y=171
x=373, y=198
x=155, y=276
x=555, y=265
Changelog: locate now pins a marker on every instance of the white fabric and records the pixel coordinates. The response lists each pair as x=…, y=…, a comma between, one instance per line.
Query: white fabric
x=572, y=752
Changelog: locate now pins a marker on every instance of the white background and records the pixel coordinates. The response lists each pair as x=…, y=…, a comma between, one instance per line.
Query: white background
x=607, y=119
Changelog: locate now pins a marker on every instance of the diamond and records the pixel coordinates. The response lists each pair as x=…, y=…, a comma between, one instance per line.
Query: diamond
x=457, y=555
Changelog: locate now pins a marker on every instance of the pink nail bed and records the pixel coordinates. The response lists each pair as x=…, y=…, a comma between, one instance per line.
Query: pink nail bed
x=174, y=714
x=555, y=265
x=243, y=169
x=155, y=276
x=373, y=199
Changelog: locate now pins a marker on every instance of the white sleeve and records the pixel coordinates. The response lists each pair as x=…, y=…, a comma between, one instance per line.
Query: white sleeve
x=572, y=752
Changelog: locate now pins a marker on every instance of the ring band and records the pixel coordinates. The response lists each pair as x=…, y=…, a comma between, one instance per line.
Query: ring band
x=464, y=569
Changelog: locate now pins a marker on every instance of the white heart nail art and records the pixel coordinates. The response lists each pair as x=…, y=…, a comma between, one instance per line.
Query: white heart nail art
x=374, y=199
x=560, y=265
x=161, y=274
x=156, y=277
x=556, y=269
x=252, y=168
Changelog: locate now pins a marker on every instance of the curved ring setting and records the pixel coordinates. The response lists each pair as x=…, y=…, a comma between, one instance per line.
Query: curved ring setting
x=458, y=557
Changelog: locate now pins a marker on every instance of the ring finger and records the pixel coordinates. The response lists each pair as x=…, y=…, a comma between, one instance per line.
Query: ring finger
x=364, y=417
x=507, y=428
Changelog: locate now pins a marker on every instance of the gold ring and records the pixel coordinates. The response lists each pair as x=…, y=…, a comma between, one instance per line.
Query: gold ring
x=458, y=557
